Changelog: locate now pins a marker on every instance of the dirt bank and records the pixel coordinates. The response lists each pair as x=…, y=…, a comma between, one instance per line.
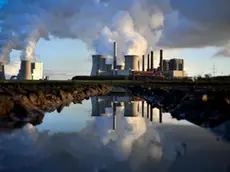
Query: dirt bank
x=22, y=103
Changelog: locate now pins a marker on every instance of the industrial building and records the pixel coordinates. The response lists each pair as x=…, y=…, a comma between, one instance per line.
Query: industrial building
x=132, y=65
x=174, y=68
x=30, y=70
x=2, y=72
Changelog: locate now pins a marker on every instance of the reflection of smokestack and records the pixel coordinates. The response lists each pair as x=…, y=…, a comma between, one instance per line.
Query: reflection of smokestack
x=148, y=68
x=143, y=108
x=151, y=113
x=152, y=60
x=25, y=71
x=2, y=72
x=161, y=60
x=131, y=62
x=147, y=110
x=114, y=116
x=160, y=115
x=143, y=63
x=114, y=55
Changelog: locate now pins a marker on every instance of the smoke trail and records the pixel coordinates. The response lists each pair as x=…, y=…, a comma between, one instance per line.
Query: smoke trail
x=30, y=44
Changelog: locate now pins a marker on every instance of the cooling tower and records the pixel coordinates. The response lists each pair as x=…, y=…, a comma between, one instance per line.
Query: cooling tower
x=161, y=60
x=2, y=72
x=131, y=62
x=98, y=63
x=131, y=109
x=26, y=71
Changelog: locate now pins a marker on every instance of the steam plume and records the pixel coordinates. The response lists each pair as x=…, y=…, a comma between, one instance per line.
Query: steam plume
x=136, y=24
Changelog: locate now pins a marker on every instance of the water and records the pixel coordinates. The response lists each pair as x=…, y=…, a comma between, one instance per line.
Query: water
x=89, y=137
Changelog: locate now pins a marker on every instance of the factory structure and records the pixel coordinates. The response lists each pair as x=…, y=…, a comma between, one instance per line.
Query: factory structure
x=130, y=106
x=101, y=66
x=29, y=70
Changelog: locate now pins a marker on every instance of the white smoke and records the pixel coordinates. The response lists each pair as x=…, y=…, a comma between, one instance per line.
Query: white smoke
x=122, y=30
x=137, y=25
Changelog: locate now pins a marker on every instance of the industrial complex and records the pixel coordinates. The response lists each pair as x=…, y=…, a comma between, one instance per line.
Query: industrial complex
x=133, y=64
x=29, y=70
x=101, y=66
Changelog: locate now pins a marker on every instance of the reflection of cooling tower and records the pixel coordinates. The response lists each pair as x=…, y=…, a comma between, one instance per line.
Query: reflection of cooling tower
x=98, y=63
x=131, y=62
x=25, y=71
x=2, y=72
x=131, y=109
x=95, y=106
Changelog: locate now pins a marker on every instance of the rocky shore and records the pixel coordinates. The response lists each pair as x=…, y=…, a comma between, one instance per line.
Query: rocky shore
x=27, y=103
x=204, y=108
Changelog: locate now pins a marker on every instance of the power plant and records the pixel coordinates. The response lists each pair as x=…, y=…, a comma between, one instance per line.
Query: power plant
x=132, y=65
x=30, y=70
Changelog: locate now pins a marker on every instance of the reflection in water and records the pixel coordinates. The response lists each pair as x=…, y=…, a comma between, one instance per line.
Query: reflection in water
x=119, y=137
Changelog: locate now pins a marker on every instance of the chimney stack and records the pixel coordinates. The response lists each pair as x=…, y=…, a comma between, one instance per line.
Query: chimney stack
x=114, y=55
x=143, y=63
x=152, y=61
x=161, y=60
x=148, y=64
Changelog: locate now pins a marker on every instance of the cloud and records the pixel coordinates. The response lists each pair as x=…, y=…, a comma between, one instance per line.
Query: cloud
x=197, y=24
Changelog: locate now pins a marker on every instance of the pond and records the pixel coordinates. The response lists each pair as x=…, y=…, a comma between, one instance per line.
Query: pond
x=110, y=134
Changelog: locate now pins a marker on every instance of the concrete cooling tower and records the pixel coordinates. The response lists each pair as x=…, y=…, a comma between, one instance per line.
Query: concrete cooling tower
x=2, y=72
x=131, y=109
x=131, y=62
x=98, y=63
x=25, y=71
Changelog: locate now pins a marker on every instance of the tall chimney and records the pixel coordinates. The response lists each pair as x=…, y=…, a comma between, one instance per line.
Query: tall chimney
x=161, y=60
x=25, y=71
x=114, y=55
x=148, y=64
x=2, y=72
x=152, y=60
x=143, y=63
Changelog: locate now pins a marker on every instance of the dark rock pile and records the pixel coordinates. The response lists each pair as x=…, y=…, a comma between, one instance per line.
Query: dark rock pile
x=201, y=107
x=21, y=104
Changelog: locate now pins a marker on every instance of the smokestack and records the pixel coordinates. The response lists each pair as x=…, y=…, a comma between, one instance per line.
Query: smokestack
x=152, y=60
x=114, y=55
x=143, y=63
x=2, y=72
x=161, y=60
x=25, y=71
x=148, y=68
